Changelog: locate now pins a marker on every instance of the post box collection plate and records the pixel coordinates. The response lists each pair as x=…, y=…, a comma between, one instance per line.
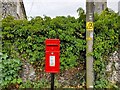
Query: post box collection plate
x=52, y=55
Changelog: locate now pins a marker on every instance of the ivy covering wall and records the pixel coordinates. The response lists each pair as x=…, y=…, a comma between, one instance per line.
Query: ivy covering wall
x=24, y=40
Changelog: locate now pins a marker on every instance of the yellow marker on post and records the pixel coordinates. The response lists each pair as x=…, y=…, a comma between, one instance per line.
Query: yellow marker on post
x=89, y=38
x=89, y=26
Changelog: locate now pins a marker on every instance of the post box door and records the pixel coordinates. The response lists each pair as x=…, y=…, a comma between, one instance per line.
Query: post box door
x=52, y=62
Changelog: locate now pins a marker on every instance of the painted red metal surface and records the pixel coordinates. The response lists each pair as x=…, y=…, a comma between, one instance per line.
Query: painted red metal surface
x=52, y=55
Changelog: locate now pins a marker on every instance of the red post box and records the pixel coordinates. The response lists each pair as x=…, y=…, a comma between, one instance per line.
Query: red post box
x=52, y=55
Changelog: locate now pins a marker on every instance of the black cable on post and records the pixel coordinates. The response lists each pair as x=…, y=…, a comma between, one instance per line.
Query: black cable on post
x=52, y=81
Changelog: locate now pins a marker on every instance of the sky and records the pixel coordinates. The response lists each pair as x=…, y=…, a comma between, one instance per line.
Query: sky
x=55, y=8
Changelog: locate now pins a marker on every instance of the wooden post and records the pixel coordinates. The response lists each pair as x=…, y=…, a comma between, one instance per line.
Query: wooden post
x=89, y=44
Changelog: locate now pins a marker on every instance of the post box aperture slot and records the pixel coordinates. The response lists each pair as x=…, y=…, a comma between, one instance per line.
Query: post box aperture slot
x=51, y=47
x=52, y=44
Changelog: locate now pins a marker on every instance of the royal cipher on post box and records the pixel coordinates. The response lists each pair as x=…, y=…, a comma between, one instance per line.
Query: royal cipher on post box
x=52, y=55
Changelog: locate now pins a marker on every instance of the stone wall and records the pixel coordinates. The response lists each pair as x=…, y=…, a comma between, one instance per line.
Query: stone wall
x=9, y=8
x=21, y=10
x=14, y=8
x=113, y=68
